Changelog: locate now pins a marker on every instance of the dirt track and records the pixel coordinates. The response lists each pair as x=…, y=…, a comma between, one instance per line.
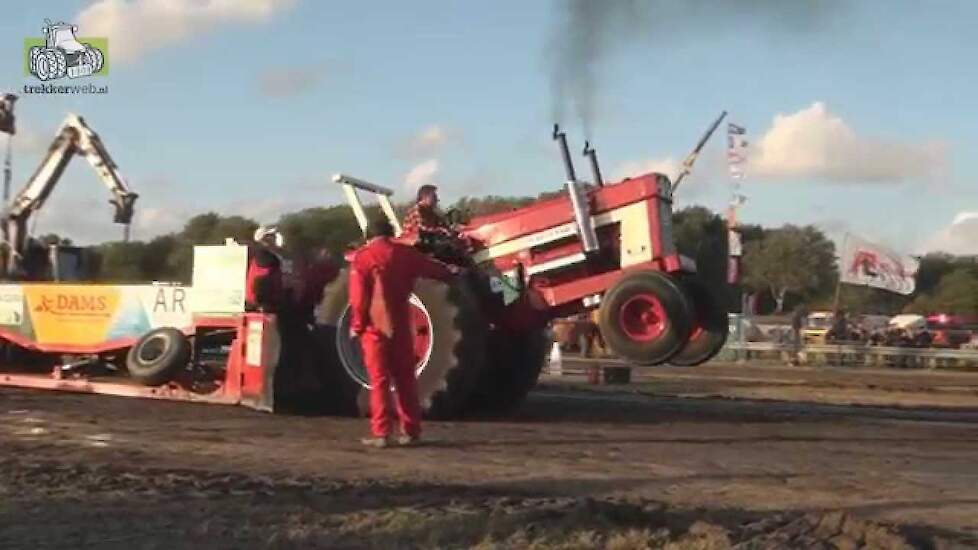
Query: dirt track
x=696, y=465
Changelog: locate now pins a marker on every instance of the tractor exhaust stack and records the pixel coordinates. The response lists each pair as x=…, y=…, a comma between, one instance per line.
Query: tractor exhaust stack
x=578, y=196
x=565, y=153
x=592, y=155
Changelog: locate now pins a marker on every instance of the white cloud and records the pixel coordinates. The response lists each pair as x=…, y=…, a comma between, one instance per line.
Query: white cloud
x=289, y=81
x=153, y=221
x=421, y=174
x=961, y=237
x=429, y=141
x=432, y=136
x=135, y=27
x=27, y=141
x=816, y=144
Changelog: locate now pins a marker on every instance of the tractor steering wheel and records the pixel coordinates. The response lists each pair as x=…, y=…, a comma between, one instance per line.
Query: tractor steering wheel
x=454, y=217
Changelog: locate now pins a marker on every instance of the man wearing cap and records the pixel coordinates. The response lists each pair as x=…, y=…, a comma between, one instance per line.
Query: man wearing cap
x=382, y=277
x=265, y=289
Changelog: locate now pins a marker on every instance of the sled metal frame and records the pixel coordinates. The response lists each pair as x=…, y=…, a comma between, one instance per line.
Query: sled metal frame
x=238, y=386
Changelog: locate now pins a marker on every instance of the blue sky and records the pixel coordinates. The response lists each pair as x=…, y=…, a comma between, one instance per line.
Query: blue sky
x=248, y=107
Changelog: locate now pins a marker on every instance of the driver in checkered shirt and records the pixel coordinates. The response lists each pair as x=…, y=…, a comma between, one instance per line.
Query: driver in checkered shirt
x=424, y=218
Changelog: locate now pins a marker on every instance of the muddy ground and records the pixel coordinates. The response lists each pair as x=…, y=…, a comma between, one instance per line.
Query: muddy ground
x=711, y=457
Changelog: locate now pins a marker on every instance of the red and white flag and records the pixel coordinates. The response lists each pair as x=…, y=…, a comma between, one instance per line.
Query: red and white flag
x=869, y=264
x=736, y=150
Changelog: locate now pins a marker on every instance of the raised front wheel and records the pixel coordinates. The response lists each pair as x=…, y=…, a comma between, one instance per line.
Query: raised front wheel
x=710, y=325
x=646, y=318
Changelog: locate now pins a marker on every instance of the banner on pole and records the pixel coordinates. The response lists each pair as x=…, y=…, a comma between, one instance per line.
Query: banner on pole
x=736, y=150
x=733, y=270
x=734, y=246
x=868, y=264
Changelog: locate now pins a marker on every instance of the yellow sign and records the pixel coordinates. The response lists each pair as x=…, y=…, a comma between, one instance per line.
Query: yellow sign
x=72, y=314
x=219, y=279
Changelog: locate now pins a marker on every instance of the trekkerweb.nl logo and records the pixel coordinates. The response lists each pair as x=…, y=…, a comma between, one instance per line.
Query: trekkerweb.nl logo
x=59, y=54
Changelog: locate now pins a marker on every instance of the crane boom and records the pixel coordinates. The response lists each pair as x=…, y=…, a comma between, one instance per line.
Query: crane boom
x=74, y=137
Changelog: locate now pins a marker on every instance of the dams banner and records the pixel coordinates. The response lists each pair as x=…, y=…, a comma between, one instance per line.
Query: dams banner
x=868, y=264
x=90, y=315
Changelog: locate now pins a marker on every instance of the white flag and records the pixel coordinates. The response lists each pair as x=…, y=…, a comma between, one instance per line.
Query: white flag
x=736, y=150
x=734, y=246
x=868, y=264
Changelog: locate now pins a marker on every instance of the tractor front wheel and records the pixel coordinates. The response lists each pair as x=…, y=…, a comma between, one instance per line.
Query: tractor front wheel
x=710, y=325
x=44, y=66
x=95, y=57
x=646, y=318
x=57, y=64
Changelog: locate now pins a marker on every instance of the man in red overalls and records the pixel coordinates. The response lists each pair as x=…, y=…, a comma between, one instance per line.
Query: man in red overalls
x=382, y=277
x=264, y=288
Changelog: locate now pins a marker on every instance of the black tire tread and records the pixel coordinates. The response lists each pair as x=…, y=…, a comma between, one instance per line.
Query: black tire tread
x=166, y=367
x=672, y=298
x=448, y=397
x=515, y=360
x=712, y=316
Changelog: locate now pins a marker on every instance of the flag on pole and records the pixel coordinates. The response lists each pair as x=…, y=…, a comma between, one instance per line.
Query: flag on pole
x=733, y=270
x=736, y=150
x=734, y=246
x=868, y=264
x=7, y=114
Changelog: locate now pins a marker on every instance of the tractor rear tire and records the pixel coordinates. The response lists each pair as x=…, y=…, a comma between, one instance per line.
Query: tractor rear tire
x=710, y=325
x=450, y=367
x=44, y=66
x=158, y=356
x=515, y=360
x=57, y=63
x=34, y=54
x=646, y=318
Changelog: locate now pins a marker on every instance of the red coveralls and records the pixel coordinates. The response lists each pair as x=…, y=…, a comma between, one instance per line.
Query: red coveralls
x=382, y=277
x=264, y=288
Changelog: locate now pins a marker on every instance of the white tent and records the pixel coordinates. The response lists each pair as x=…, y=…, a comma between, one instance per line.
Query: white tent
x=908, y=321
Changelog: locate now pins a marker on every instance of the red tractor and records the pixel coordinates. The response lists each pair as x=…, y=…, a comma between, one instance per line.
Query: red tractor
x=482, y=341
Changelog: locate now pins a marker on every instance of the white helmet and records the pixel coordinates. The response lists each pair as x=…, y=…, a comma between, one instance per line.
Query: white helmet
x=265, y=231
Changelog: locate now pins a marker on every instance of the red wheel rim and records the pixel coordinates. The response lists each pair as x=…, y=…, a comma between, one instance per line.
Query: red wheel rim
x=420, y=333
x=696, y=332
x=642, y=317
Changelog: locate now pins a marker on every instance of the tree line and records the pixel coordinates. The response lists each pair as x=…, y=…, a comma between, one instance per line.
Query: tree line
x=784, y=266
